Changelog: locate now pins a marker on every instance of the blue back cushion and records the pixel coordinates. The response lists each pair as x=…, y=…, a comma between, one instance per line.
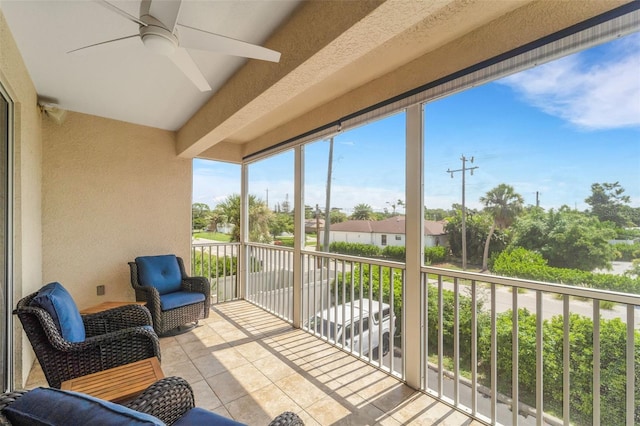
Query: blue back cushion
x=161, y=272
x=49, y=406
x=56, y=300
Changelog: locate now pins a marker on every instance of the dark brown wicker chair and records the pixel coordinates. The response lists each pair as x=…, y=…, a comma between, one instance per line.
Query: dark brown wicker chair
x=166, y=321
x=167, y=399
x=113, y=337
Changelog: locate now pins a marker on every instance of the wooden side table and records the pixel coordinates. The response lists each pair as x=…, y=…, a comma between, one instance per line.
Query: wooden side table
x=106, y=306
x=120, y=383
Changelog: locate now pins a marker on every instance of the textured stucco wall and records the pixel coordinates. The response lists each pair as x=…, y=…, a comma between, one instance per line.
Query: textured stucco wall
x=111, y=191
x=27, y=152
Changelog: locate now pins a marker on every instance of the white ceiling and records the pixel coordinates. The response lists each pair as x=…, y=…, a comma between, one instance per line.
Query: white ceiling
x=128, y=82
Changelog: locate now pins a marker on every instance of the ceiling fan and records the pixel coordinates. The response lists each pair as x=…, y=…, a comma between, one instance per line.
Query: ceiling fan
x=161, y=33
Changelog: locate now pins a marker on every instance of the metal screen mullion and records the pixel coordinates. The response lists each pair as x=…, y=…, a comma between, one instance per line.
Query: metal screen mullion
x=630, y=364
x=344, y=309
x=440, y=339
x=370, y=308
x=361, y=307
x=539, y=361
x=391, y=318
x=566, y=364
x=494, y=355
x=515, y=352
x=380, y=294
x=352, y=298
x=596, y=362
x=424, y=335
x=456, y=341
x=474, y=349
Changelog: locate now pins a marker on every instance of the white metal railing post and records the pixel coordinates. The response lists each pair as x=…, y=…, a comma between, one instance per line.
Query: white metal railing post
x=414, y=245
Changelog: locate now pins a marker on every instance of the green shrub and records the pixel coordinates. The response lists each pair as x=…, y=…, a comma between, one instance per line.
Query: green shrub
x=521, y=263
x=434, y=255
x=398, y=253
x=219, y=266
x=355, y=249
x=627, y=252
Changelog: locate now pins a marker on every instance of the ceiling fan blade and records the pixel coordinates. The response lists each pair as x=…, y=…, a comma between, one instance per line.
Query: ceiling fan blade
x=115, y=40
x=194, y=38
x=165, y=11
x=121, y=12
x=183, y=60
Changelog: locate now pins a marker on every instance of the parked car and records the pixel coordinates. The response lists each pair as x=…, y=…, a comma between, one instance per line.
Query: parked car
x=358, y=323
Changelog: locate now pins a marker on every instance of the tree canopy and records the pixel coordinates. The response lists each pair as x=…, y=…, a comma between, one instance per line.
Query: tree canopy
x=259, y=217
x=609, y=204
x=362, y=212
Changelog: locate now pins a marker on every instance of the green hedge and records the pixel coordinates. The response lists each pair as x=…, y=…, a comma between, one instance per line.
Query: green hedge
x=399, y=253
x=220, y=266
x=434, y=255
x=522, y=263
x=627, y=252
x=355, y=249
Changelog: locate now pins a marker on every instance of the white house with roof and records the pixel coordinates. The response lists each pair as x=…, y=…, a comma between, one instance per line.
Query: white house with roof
x=383, y=233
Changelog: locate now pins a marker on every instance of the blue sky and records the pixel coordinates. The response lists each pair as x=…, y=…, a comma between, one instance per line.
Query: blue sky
x=555, y=129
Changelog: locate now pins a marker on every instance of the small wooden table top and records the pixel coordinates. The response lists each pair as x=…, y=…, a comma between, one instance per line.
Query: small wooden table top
x=119, y=383
x=106, y=306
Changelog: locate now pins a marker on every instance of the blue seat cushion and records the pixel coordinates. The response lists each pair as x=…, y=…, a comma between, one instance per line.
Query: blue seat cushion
x=56, y=300
x=179, y=298
x=199, y=416
x=49, y=406
x=161, y=272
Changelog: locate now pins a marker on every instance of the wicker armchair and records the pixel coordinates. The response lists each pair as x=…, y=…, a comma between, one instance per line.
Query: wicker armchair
x=167, y=399
x=167, y=319
x=113, y=338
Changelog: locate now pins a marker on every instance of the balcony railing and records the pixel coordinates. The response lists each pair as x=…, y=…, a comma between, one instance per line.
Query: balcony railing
x=219, y=263
x=502, y=350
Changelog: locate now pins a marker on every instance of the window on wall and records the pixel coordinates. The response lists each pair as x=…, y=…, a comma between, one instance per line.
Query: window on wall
x=271, y=199
x=357, y=178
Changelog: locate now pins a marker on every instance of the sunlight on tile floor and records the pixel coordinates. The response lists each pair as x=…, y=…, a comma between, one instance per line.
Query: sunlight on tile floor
x=245, y=363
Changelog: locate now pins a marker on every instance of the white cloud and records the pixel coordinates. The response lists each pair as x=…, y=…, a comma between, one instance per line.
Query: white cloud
x=602, y=95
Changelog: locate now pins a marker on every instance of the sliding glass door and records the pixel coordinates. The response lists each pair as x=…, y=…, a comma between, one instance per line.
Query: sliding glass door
x=5, y=294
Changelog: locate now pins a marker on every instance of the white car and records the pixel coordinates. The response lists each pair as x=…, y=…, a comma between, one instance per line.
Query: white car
x=345, y=321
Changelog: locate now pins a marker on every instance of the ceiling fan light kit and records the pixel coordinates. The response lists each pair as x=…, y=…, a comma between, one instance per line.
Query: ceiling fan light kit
x=158, y=40
x=157, y=24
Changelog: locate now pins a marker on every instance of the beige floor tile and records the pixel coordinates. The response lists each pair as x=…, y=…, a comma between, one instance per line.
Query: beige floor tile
x=205, y=397
x=185, y=369
x=301, y=390
x=219, y=362
x=261, y=406
x=173, y=354
x=254, y=350
x=275, y=367
x=205, y=346
x=237, y=382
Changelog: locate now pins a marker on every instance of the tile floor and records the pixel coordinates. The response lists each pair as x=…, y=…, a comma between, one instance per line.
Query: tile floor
x=245, y=363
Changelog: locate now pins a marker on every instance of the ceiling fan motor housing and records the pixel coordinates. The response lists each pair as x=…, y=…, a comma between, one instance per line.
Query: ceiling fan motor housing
x=157, y=38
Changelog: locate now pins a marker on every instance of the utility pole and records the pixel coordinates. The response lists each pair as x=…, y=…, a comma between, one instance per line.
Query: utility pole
x=464, y=170
x=267, y=198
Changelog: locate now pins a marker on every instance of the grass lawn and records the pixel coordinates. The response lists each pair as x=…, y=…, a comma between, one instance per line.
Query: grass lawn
x=216, y=236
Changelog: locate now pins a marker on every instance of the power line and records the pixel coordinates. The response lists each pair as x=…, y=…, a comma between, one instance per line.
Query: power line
x=464, y=170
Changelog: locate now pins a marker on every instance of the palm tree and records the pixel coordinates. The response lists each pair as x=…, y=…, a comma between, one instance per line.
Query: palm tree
x=504, y=204
x=259, y=216
x=362, y=212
